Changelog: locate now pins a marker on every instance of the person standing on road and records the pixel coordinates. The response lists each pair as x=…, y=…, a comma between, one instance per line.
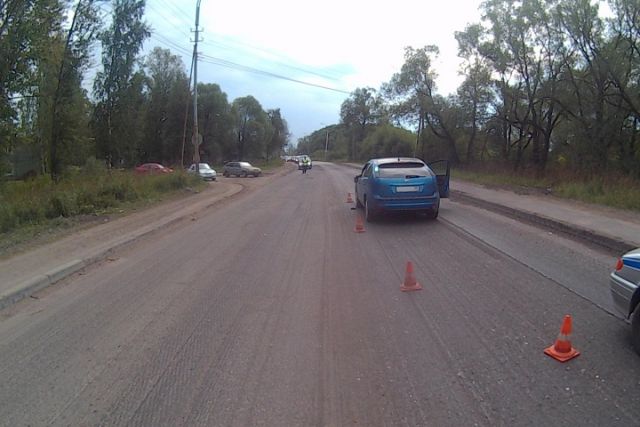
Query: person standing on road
x=306, y=161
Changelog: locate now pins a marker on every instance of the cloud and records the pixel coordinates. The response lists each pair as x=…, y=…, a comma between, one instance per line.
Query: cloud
x=340, y=44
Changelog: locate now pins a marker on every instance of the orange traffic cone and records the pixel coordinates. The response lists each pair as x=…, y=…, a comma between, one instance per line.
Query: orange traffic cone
x=359, y=225
x=410, y=283
x=562, y=350
x=349, y=199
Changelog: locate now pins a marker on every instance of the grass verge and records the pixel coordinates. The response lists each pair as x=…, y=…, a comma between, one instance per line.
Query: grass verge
x=613, y=191
x=34, y=209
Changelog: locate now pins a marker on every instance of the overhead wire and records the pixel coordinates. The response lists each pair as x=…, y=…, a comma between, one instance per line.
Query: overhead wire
x=229, y=64
x=233, y=65
x=324, y=74
x=183, y=18
x=171, y=20
x=166, y=41
x=177, y=11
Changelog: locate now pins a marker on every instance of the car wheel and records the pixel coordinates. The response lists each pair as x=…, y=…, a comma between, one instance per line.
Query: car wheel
x=635, y=329
x=243, y=175
x=368, y=212
x=432, y=213
x=225, y=174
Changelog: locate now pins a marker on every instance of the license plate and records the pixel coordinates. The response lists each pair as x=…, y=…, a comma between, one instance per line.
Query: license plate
x=407, y=189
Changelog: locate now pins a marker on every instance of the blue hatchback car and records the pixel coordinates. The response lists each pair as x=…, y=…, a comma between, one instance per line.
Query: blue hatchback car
x=401, y=184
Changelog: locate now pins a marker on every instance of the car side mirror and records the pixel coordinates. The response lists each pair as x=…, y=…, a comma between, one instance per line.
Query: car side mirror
x=355, y=178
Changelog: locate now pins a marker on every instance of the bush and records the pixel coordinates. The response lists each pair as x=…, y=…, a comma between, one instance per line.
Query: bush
x=120, y=191
x=8, y=218
x=170, y=182
x=61, y=204
x=29, y=212
x=91, y=190
x=94, y=167
x=622, y=192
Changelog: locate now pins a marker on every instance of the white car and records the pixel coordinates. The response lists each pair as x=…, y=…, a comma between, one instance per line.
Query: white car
x=625, y=290
x=204, y=170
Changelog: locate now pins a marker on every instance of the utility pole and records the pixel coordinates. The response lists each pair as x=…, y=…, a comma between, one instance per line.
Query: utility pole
x=197, y=138
x=326, y=145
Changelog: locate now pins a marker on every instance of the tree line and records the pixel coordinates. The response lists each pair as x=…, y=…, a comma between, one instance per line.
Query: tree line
x=548, y=84
x=138, y=106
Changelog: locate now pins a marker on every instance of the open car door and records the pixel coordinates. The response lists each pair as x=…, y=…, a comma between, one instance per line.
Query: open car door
x=443, y=172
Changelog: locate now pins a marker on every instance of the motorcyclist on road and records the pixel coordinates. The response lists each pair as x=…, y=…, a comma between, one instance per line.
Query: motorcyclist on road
x=306, y=163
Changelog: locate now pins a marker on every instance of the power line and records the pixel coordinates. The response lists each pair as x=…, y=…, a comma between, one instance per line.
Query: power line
x=176, y=10
x=164, y=40
x=168, y=20
x=282, y=64
x=229, y=64
x=233, y=65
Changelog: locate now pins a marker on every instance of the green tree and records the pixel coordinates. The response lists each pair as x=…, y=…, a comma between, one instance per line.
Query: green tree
x=388, y=141
x=475, y=93
x=68, y=120
x=524, y=44
x=357, y=114
x=26, y=27
x=121, y=43
x=250, y=127
x=442, y=118
x=168, y=95
x=588, y=75
x=215, y=123
x=279, y=136
x=622, y=57
x=412, y=93
x=335, y=138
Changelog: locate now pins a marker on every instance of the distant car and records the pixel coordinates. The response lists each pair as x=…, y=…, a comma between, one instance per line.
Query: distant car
x=624, y=284
x=152, y=169
x=205, y=171
x=242, y=169
x=401, y=184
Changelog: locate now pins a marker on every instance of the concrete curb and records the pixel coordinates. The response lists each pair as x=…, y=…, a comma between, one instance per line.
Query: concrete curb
x=589, y=236
x=24, y=290
x=37, y=283
x=31, y=286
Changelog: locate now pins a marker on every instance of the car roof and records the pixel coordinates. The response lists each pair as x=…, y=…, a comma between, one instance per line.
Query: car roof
x=384, y=160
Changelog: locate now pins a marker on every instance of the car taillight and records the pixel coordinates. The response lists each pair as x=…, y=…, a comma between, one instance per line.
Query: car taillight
x=619, y=264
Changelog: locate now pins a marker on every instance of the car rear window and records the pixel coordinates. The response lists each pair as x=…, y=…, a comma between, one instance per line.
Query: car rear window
x=402, y=170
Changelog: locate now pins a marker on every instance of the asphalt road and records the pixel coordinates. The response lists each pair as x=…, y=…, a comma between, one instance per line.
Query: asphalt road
x=270, y=310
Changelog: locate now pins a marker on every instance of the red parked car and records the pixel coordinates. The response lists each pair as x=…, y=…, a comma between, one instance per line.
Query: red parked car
x=151, y=169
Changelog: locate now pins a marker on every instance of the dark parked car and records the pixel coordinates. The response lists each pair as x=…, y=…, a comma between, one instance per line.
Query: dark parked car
x=624, y=284
x=242, y=169
x=152, y=169
x=401, y=184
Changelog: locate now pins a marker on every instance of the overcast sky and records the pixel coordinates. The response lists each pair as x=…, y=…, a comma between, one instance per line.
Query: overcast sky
x=340, y=45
